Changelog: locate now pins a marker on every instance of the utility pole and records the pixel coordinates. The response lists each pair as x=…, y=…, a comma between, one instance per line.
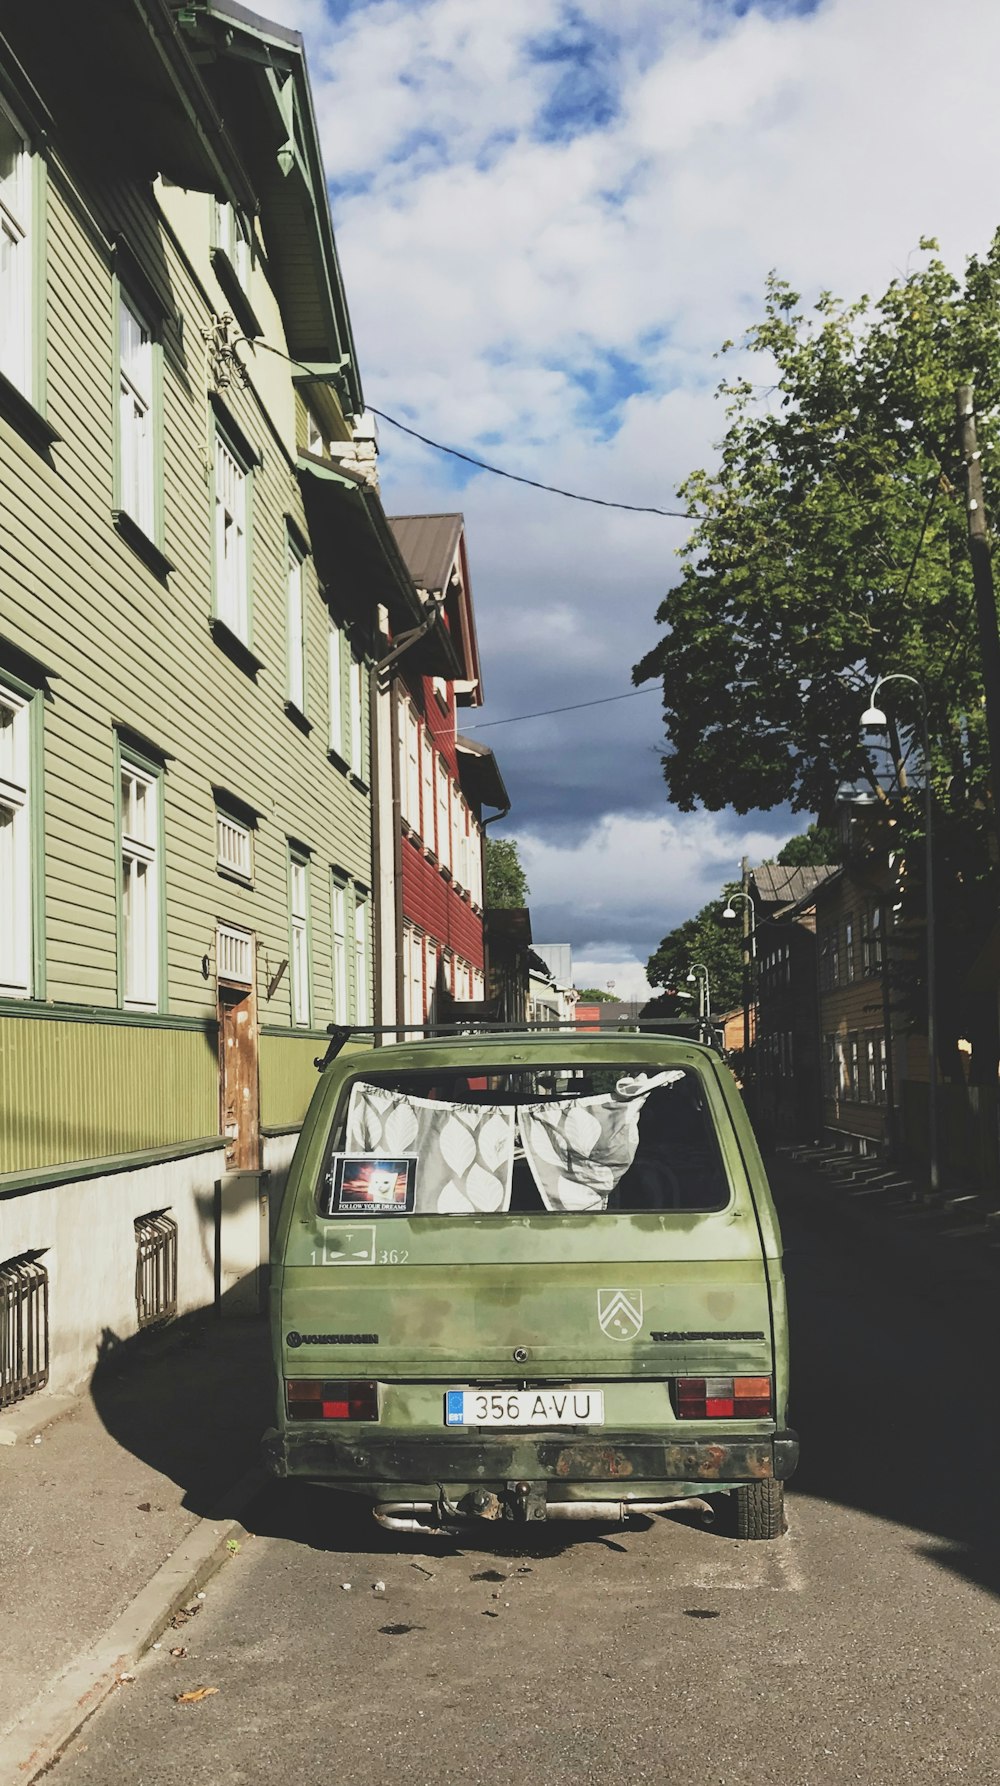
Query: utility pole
x=982, y=580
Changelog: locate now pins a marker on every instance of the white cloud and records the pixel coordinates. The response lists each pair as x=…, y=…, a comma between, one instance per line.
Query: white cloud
x=492, y=270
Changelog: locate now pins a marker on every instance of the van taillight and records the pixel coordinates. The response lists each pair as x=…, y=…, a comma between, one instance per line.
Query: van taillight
x=308, y=1398
x=723, y=1398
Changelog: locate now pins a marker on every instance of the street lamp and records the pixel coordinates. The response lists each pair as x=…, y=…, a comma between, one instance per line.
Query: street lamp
x=698, y=971
x=749, y=930
x=874, y=720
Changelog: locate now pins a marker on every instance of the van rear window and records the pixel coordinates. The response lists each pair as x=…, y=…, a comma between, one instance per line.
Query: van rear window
x=455, y=1142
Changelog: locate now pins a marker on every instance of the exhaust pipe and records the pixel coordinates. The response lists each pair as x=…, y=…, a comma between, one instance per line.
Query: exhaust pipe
x=620, y=1510
x=411, y=1516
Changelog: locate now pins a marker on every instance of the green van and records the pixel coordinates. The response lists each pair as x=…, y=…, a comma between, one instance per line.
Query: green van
x=532, y=1276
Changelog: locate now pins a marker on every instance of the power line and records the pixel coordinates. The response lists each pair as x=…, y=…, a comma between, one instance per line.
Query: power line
x=573, y=708
x=633, y=508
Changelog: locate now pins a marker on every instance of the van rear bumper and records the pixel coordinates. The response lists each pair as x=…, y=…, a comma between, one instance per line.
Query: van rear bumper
x=362, y=1457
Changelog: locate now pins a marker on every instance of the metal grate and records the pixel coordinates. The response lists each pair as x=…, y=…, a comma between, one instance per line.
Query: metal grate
x=155, y=1268
x=24, y=1328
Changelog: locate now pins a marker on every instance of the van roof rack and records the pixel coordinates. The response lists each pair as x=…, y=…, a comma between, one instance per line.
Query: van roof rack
x=342, y=1033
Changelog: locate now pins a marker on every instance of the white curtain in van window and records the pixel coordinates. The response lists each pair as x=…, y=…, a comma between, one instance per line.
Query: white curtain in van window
x=465, y=1152
x=578, y=1148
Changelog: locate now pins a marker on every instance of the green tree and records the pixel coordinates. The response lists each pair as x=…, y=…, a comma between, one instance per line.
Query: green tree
x=595, y=996
x=812, y=849
x=709, y=939
x=830, y=547
x=506, y=883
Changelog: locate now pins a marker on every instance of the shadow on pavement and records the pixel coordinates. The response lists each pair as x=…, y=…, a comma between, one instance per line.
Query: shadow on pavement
x=192, y=1400
x=893, y=1380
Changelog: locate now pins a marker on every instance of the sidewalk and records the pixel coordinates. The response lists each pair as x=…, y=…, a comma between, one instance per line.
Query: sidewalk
x=959, y=1241
x=100, y=1491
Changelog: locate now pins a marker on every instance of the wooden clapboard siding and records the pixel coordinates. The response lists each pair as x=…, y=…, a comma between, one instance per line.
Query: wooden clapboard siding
x=127, y=649
x=113, y=1089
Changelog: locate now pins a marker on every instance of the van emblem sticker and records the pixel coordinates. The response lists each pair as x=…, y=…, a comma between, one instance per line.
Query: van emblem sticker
x=620, y=1313
x=343, y=1245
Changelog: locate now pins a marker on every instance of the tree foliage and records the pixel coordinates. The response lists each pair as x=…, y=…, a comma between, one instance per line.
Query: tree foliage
x=595, y=996
x=707, y=938
x=506, y=882
x=830, y=547
x=815, y=847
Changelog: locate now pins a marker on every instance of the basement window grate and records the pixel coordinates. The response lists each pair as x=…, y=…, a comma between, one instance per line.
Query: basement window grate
x=24, y=1328
x=155, y=1268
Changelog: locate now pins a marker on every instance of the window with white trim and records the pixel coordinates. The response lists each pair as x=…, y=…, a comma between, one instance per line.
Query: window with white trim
x=140, y=885
x=413, y=976
x=360, y=958
x=427, y=789
x=476, y=865
x=409, y=772
x=315, y=443
x=232, y=238
x=135, y=416
x=16, y=979
x=15, y=255
x=232, y=565
x=339, y=903
x=296, y=629
x=430, y=974
x=356, y=691
x=457, y=839
x=443, y=813
x=298, y=887
x=337, y=645
x=233, y=847
x=234, y=954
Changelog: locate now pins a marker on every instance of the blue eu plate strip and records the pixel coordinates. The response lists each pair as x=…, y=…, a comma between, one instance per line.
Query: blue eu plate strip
x=453, y=1410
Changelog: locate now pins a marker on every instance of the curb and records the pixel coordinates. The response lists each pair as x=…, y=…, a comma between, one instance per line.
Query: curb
x=32, y=1745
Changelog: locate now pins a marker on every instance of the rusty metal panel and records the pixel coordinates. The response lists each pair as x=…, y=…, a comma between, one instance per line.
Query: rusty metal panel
x=24, y=1328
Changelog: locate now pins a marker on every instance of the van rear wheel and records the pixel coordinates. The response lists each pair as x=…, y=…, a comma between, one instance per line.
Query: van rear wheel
x=760, y=1509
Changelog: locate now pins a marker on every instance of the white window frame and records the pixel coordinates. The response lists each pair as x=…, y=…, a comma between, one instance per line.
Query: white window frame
x=336, y=681
x=296, y=618
x=234, y=242
x=339, y=932
x=231, y=499
x=413, y=971
x=234, y=954
x=430, y=973
x=298, y=918
x=409, y=767
x=16, y=270
x=443, y=793
x=360, y=956
x=139, y=797
x=136, y=416
x=233, y=847
x=427, y=810
x=355, y=702
x=315, y=443
x=16, y=866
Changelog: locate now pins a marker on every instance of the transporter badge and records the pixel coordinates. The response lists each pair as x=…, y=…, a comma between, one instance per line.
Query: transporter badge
x=620, y=1313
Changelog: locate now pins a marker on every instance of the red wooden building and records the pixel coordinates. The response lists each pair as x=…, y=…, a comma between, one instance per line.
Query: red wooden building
x=442, y=783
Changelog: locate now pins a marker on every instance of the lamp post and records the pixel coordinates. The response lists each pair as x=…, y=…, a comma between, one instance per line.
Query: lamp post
x=698, y=971
x=749, y=932
x=874, y=720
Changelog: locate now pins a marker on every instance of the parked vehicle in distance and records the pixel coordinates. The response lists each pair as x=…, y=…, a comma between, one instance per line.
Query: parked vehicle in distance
x=528, y=1276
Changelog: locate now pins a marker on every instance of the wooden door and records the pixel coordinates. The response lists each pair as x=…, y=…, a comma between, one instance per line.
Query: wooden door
x=239, y=1076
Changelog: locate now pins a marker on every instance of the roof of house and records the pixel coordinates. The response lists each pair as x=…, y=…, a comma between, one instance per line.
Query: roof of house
x=777, y=885
x=429, y=544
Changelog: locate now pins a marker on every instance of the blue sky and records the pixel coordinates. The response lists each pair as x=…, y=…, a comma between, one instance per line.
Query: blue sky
x=550, y=213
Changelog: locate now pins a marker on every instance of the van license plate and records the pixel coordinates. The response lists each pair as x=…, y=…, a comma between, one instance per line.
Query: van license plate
x=524, y=1407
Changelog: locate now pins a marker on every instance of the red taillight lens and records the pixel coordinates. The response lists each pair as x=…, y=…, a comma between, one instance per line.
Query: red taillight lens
x=723, y=1398
x=309, y=1398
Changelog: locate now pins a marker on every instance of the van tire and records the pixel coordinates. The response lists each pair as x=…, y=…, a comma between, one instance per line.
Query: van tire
x=760, y=1509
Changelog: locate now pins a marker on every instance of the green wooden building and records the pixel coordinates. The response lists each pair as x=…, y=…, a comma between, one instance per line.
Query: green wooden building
x=196, y=582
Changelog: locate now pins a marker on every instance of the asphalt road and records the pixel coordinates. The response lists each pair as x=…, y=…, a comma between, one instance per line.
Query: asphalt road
x=861, y=1647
